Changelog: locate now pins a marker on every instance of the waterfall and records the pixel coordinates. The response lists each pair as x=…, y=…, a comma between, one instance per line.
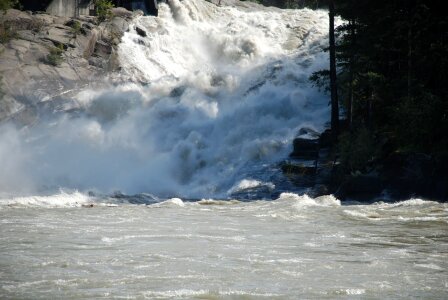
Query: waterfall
x=208, y=96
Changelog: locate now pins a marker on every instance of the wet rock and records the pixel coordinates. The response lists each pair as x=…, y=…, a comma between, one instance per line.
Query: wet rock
x=97, y=62
x=120, y=24
x=103, y=49
x=299, y=167
x=140, y=31
x=300, y=173
x=88, y=43
x=319, y=190
x=326, y=139
x=254, y=193
x=306, y=132
x=360, y=186
x=122, y=12
x=177, y=91
x=305, y=148
x=416, y=174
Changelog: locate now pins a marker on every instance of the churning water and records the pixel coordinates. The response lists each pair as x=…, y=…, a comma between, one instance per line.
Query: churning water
x=295, y=247
x=215, y=93
x=216, y=96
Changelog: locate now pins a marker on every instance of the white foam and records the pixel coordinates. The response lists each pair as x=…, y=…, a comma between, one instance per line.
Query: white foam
x=406, y=203
x=63, y=199
x=430, y=266
x=362, y=214
x=249, y=184
x=305, y=200
x=355, y=291
x=424, y=219
x=176, y=202
x=175, y=293
x=241, y=94
x=217, y=202
x=350, y=291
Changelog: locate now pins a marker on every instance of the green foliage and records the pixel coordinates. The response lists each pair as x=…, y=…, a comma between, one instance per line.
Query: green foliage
x=321, y=79
x=103, y=9
x=357, y=150
x=76, y=27
x=7, y=4
x=421, y=124
x=6, y=33
x=55, y=58
x=393, y=72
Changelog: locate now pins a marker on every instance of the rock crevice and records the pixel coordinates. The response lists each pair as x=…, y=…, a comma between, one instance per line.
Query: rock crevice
x=31, y=68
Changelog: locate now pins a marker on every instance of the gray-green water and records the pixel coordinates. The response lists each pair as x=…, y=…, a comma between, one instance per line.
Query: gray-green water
x=291, y=248
x=225, y=92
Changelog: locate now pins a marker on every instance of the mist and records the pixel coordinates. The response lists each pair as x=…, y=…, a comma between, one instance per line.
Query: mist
x=207, y=96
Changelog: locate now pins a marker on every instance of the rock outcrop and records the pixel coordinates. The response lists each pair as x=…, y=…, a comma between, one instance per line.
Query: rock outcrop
x=44, y=56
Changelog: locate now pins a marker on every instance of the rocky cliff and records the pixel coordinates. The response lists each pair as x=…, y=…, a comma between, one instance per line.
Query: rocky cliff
x=44, y=57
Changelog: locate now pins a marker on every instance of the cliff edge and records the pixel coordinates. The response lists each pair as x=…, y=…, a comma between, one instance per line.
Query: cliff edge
x=44, y=57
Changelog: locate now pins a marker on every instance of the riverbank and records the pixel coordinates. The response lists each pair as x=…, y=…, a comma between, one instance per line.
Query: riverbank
x=44, y=57
x=316, y=161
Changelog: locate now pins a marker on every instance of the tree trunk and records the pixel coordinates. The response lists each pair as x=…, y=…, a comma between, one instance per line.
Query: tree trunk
x=351, y=75
x=409, y=75
x=333, y=83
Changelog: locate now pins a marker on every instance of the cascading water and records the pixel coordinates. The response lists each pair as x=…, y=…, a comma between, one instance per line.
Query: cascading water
x=212, y=94
x=207, y=101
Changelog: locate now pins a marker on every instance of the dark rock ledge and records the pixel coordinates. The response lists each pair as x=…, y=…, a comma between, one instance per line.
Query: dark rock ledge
x=314, y=164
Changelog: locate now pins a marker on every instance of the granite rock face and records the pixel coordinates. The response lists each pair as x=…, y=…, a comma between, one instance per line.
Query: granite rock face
x=30, y=77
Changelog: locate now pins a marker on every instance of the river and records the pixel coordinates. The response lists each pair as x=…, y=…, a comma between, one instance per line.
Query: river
x=96, y=199
x=295, y=247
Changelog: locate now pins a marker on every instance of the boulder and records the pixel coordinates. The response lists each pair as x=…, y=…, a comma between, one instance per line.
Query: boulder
x=89, y=45
x=299, y=167
x=299, y=172
x=140, y=32
x=60, y=36
x=17, y=20
x=122, y=12
x=120, y=24
x=45, y=19
x=103, y=49
x=319, y=190
x=359, y=186
x=305, y=148
x=306, y=132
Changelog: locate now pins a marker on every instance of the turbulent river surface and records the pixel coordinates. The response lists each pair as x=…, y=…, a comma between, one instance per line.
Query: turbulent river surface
x=292, y=248
x=205, y=107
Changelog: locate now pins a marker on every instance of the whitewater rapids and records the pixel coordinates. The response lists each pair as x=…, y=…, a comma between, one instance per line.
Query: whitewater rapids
x=76, y=246
x=211, y=96
x=96, y=197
